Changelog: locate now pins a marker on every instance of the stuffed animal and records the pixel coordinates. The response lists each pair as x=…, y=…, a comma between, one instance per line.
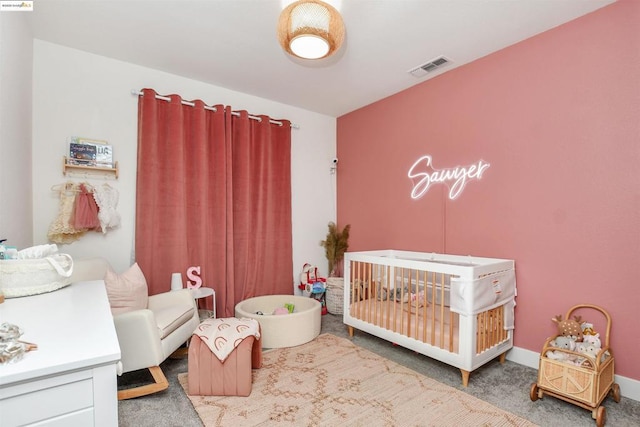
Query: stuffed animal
x=593, y=340
x=588, y=350
x=569, y=328
x=556, y=355
x=561, y=342
x=564, y=343
x=587, y=328
x=592, y=345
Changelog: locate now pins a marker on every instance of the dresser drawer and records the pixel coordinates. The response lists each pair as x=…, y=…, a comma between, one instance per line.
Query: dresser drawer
x=66, y=397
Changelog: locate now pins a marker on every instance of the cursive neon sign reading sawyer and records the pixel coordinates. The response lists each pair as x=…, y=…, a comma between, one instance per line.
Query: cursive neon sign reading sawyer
x=456, y=178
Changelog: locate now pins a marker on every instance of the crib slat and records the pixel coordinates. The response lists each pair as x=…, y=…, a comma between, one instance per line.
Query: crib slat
x=365, y=294
x=451, y=329
x=433, y=308
x=407, y=295
x=485, y=329
x=372, y=292
x=424, y=309
x=503, y=331
x=494, y=327
x=494, y=332
x=481, y=330
x=478, y=333
x=404, y=293
x=358, y=290
x=441, y=310
x=390, y=306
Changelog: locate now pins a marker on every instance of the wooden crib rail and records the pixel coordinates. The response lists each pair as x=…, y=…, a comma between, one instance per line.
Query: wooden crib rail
x=490, y=330
x=408, y=301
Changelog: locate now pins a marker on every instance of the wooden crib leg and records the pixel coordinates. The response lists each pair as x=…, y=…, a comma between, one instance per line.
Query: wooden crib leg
x=503, y=357
x=351, y=330
x=465, y=377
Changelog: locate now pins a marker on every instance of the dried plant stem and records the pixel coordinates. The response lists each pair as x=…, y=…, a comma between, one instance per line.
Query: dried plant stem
x=335, y=245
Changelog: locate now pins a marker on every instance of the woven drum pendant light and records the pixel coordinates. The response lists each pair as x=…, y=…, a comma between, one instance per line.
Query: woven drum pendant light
x=310, y=29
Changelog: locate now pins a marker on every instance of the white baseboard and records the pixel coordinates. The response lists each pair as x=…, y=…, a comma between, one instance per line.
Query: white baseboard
x=629, y=387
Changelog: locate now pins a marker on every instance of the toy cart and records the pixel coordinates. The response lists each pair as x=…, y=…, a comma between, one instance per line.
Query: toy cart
x=586, y=382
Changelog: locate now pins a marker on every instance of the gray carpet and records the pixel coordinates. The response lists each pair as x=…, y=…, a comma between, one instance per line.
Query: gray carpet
x=503, y=385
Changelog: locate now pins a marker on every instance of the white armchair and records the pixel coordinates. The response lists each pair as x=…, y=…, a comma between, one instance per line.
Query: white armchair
x=148, y=336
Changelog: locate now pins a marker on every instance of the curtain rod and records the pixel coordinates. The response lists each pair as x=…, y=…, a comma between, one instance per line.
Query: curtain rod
x=206, y=107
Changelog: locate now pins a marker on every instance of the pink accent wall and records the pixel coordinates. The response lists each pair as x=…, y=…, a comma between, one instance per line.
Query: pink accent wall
x=558, y=118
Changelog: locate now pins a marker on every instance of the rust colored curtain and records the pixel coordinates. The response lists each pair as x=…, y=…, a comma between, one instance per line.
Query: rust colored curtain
x=214, y=191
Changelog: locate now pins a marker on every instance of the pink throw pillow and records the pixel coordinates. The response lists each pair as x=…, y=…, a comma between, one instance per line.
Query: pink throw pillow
x=127, y=291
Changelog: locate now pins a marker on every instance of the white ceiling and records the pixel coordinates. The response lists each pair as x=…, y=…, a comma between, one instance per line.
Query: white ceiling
x=232, y=43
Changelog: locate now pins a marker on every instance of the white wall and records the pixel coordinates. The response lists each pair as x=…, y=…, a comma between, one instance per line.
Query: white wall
x=16, y=49
x=80, y=94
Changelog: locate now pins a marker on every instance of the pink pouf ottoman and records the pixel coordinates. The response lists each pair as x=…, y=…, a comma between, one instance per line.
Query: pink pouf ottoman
x=208, y=376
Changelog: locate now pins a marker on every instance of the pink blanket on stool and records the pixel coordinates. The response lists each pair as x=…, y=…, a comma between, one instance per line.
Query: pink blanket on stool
x=222, y=336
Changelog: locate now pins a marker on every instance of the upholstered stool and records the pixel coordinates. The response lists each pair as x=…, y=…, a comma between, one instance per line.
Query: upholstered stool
x=208, y=376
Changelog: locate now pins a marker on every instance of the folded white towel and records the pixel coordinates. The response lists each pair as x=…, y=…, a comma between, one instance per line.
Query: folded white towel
x=40, y=251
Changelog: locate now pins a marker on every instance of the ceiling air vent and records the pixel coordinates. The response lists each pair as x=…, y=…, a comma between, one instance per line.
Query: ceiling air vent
x=429, y=67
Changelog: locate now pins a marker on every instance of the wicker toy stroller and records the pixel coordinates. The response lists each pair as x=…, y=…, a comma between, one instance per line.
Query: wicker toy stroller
x=585, y=384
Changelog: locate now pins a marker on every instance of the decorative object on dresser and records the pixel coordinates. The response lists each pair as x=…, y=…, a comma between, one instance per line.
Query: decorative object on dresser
x=456, y=309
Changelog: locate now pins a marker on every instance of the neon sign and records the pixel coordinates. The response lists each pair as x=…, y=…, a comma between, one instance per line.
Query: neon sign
x=456, y=178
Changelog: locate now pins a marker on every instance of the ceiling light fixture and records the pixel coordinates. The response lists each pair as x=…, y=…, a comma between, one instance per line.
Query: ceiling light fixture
x=310, y=29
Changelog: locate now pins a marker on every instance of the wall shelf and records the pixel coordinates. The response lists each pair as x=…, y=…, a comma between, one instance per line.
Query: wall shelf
x=89, y=170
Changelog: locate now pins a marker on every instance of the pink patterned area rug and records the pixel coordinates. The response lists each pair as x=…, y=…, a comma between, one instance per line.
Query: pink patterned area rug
x=332, y=382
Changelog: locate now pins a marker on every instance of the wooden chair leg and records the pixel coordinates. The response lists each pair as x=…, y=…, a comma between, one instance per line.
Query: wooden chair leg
x=160, y=384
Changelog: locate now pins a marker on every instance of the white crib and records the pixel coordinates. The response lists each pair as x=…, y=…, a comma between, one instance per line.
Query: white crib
x=456, y=309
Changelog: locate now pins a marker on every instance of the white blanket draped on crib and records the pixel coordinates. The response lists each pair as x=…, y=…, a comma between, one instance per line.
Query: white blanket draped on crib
x=470, y=297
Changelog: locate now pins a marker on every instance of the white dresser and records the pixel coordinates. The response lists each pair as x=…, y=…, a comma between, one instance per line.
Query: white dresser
x=71, y=379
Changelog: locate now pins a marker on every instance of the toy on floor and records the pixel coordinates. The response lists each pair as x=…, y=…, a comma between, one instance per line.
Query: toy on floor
x=570, y=327
x=280, y=310
x=309, y=277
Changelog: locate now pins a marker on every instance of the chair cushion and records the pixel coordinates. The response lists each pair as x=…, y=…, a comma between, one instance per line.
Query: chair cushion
x=170, y=318
x=127, y=291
